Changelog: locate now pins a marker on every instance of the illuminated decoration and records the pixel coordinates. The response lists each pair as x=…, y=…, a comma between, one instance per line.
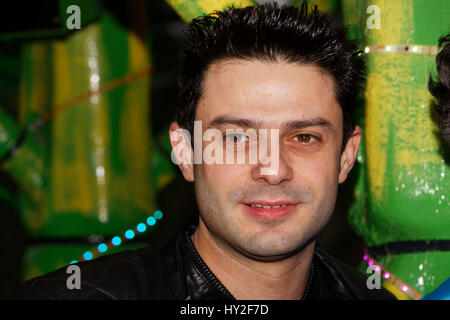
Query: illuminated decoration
x=392, y=279
x=102, y=247
x=87, y=255
x=74, y=187
x=129, y=234
x=141, y=227
x=402, y=48
x=158, y=214
x=118, y=240
x=151, y=221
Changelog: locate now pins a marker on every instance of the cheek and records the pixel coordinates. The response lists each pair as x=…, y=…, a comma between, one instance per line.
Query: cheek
x=222, y=177
x=320, y=173
x=322, y=177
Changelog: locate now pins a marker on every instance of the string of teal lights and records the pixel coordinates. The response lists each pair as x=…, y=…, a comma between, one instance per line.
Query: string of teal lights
x=120, y=239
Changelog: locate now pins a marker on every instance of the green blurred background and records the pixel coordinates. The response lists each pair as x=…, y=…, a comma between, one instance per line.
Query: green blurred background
x=84, y=150
x=30, y=46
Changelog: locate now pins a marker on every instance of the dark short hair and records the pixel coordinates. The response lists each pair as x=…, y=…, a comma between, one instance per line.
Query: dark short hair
x=440, y=88
x=271, y=33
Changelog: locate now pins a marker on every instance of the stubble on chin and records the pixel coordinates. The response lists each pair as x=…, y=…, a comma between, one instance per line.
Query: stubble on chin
x=260, y=239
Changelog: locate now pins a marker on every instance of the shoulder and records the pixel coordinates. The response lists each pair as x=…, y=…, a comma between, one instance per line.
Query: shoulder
x=116, y=276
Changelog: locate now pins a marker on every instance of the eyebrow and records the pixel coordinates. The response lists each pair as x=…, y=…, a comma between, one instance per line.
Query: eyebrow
x=225, y=120
x=301, y=124
x=289, y=125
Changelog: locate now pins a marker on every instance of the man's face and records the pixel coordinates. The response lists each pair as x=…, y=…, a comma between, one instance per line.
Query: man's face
x=299, y=196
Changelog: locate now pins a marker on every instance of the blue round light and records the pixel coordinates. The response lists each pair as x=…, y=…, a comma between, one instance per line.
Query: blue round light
x=102, y=247
x=116, y=241
x=73, y=261
x=151, y=221
x=141, y=227
x=158, y=214
x=129, y=234
x=87, y=255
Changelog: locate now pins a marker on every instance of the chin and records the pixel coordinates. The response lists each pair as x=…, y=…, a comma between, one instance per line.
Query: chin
x=274, y=247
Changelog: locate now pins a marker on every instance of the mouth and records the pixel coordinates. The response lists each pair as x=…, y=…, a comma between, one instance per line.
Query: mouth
x=270, y=210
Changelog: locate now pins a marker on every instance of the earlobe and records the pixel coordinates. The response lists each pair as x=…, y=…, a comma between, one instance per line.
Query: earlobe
x=182, y=153
x=349, y=154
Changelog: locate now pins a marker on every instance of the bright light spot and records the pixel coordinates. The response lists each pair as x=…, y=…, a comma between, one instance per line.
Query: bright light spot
x=158, y=214
x=151, y=221
x=92, y=62
x=102, y=247
x=87, y=255
x=129, y=234
x=141, y=227
x=95, y=99
x=116, y=241
x=420, y=281
x=95, y=78
x=100, y=171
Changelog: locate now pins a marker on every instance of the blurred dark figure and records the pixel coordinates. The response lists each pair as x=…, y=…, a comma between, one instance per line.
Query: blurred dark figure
x=440, y=88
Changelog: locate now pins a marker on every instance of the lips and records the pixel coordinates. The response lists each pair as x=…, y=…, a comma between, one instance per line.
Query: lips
x=268, y=207
x=269, y=210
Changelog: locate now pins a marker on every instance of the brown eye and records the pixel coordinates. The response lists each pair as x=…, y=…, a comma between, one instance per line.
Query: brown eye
x=305, y=138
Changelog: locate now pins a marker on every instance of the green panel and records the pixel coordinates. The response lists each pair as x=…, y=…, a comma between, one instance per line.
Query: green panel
x=41, y=259
x=190, y=9
x=87, y=165
x=329, y=6
x=9, y=132
x=403, y=178
x=355, y=17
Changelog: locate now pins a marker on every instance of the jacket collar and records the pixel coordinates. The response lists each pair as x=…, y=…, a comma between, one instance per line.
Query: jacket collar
x=189, y=277
x=199, y=281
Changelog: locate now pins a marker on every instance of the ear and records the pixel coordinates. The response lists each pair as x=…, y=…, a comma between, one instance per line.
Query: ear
x=182, y=153
x=349, y=154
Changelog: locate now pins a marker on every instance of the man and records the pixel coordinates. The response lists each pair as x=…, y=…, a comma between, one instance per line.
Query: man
x=292, y=73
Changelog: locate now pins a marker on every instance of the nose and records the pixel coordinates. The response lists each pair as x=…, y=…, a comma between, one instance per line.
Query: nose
x=277, y=171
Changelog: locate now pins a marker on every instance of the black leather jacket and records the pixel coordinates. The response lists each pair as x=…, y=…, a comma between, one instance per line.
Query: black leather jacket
x=178, y=272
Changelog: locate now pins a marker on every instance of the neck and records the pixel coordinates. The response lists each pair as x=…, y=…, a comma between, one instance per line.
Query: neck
x=249, y=279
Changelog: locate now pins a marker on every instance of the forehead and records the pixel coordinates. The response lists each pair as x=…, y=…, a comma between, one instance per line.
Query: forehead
x=268, y=92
